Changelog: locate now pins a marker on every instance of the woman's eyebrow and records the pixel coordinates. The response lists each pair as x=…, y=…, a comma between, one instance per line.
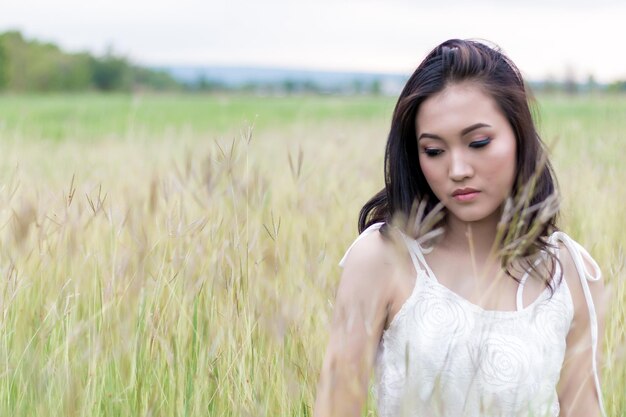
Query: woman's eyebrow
x=464, y=132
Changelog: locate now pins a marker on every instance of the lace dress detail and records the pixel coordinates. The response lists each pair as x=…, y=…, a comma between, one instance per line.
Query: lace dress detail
x=445, y=356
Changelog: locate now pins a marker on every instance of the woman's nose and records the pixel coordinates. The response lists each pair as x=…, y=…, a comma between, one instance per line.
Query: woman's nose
x=460, y=168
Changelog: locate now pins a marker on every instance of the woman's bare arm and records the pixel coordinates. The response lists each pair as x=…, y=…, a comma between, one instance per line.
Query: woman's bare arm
x=576, y=388
x=359, y=316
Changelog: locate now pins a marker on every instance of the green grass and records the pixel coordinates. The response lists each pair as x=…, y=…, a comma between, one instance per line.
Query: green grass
x=92, y=117
x=189, y=271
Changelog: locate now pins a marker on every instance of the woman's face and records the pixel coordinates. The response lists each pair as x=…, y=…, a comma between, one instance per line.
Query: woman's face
x=466, y=151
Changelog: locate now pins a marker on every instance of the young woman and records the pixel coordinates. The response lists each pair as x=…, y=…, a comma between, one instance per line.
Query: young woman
x=487, y=309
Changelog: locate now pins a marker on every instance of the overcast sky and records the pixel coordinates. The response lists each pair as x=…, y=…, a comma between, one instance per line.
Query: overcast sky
x=542, y=37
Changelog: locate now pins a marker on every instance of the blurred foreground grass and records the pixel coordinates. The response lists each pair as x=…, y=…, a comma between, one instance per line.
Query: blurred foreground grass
x=161, y=258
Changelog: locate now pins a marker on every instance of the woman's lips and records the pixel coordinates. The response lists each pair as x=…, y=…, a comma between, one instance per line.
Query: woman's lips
x=466, y=196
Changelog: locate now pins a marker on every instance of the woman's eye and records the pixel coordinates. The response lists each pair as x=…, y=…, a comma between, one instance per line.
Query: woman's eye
x=432, y=151
x=480, y=143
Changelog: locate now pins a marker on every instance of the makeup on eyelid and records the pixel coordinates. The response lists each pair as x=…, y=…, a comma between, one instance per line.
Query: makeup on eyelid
x=477, y=144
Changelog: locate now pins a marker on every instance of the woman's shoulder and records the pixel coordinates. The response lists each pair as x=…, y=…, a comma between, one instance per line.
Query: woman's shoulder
x=368, y=272
x=370, y=249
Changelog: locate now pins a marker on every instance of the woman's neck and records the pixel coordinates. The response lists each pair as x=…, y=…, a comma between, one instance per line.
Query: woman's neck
x=476, y=237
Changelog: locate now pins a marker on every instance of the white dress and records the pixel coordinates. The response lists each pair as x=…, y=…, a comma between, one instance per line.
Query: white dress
x=445, y=356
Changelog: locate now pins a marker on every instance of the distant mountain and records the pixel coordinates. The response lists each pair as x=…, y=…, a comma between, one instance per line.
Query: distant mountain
x=286, y=79
x=282, y=80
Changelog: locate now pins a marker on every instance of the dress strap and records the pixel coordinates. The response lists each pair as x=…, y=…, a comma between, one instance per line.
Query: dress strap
x=367, y=231
x=520, y=287
x=412, y=245
x=578, y=253
x=416, y=251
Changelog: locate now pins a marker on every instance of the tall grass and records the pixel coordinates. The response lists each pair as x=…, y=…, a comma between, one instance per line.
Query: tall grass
x=181, y=263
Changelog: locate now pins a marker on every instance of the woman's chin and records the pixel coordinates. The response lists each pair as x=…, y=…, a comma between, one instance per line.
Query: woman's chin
x=472, y=215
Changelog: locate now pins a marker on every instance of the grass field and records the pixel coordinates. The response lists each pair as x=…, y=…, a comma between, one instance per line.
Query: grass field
x=161, y=257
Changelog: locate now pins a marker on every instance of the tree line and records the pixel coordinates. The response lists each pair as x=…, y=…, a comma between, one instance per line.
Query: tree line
x=29, y=65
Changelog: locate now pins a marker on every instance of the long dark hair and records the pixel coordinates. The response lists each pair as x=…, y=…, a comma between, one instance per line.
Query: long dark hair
x=454, y=61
